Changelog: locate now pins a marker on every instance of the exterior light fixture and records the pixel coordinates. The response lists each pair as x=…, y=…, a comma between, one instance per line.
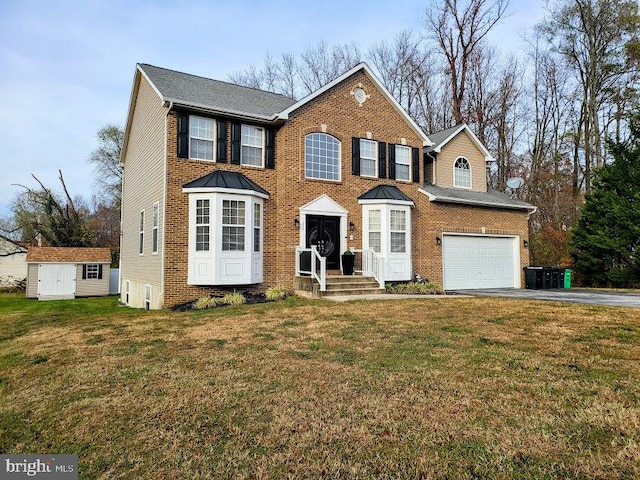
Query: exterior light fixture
x=438, y=241
x=352, y=226
x=525, y=243
x=296, y=223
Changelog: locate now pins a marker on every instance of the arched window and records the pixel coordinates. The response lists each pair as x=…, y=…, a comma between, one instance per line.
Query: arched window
x=322, y=156
x=462, y=173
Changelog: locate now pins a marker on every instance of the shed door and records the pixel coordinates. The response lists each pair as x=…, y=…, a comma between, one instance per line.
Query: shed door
x=472, y=262
x=56, y=280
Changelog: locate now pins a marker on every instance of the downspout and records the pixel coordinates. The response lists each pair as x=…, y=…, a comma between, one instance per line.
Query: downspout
x=433, y=167
x=164, y=201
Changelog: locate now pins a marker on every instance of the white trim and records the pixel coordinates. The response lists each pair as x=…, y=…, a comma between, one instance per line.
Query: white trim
x=323, y=205
x=284, y=115
x=375, y=158
x=339, y=179
x=155, y=216
x=142, y=218
x=236, y=191
x=470, y=173
x=385, y=201
x=213, y=140
x=464, y=126
x=263, y=146
x=408, y=164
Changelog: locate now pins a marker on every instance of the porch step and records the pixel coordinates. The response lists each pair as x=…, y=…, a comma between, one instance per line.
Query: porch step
x=351, y=285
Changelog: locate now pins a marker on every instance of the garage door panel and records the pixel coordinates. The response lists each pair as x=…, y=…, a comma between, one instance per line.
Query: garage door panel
x=478, y=262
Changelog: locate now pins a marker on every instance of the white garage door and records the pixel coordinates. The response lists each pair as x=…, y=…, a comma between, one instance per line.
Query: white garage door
x=479, y=262
x=56, y=280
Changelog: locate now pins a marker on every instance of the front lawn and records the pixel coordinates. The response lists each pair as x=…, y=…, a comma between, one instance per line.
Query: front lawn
x=416, y=388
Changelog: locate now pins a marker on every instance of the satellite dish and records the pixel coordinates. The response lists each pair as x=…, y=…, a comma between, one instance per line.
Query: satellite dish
x=515, y=182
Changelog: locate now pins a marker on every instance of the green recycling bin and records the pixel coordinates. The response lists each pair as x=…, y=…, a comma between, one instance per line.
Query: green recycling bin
x=567, y=278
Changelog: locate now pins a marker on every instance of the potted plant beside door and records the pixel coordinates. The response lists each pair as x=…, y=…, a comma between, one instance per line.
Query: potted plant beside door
x=348, y=259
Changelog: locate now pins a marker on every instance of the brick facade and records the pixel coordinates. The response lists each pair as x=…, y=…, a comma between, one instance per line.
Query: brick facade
x=336, y=112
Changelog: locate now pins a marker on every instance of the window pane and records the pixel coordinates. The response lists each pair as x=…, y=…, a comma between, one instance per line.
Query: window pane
x=201, y=127
x=397, y=242
x=233, y=220
x=398, y=220
x=257, y=220
x=374, y=220
x=252, y=141
x=202, y=238
x=403, y=156
x=462, y=173
x=201, y=149
x=374, y=241
x=92, y=271
x=322, y=156
x=233, y=238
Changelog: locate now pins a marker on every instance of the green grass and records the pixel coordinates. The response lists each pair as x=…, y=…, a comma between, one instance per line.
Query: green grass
x=415, y=388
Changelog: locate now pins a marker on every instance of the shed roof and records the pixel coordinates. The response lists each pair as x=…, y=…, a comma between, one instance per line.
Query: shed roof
x=68, y=255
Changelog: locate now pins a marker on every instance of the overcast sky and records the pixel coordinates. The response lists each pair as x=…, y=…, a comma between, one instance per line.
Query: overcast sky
x=66, y=67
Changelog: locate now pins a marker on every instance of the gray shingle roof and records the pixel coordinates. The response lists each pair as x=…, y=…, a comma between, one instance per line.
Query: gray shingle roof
x=492, y=198
x=191, y=90
x=438, y=137
x=225, y=179
x=385, y=192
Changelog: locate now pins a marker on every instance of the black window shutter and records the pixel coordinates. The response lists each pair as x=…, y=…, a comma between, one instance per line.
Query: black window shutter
x=392, y=161
x=221, y=154
x=355, y=156
x=270, y=152
x=183, y=135
x=382, y=160
x=100, y=272
x=415, y=164
x=84, y=271
x=236, y=130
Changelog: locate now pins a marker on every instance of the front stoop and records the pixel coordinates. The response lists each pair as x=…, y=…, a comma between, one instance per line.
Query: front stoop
x=338, y=285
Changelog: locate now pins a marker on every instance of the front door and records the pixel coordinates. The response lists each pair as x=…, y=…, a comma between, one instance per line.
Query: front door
x=324, y=233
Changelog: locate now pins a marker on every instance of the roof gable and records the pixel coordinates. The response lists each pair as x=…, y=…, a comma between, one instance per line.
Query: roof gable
x=68, y=255
x=443, y=137
x=284, y=114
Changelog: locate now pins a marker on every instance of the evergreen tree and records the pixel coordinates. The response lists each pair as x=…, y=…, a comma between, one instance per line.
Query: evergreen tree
x=606, y=242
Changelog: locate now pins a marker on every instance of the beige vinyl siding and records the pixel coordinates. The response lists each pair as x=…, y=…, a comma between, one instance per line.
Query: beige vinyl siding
x=92, y=287
x=13, y=268
x=32, y=280
x=142, y=187
x=461, y=146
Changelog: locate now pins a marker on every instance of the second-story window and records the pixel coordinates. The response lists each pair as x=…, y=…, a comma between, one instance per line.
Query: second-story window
x=462, y=173
x=368, y=158
x=322, y=156
x=403, y=163
x=252, y=152
x=201, y=137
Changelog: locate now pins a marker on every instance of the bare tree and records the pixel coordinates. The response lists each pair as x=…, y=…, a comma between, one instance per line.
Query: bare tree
x=106, y=162
x=458, y=28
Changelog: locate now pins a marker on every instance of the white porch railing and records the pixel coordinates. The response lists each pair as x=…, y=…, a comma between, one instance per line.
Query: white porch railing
x=315, y=257
x=372, y=265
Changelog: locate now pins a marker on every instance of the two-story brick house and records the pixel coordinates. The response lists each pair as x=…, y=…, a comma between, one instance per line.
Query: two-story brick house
x=229, y=187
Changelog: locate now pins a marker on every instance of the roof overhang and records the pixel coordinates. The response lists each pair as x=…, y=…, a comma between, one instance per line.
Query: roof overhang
x=385, y=201
x=480, y=203
x=284, y=115
x=235, y=191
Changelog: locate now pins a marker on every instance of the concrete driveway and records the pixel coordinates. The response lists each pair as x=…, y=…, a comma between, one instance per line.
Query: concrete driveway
x=584, y=296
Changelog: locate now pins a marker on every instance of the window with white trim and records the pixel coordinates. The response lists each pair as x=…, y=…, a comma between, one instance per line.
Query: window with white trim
x=403, y=163
x=375, y=231
x=398, y=229
x=154, y=231
x=257, y=227
x=203, y=225
x=201, y=137
x=462, y=173
x=141, y=234
x=322, y=156
x=368, y=158
x=147, y=297
x=252, y=151
x=233, y=225
x=127, y=290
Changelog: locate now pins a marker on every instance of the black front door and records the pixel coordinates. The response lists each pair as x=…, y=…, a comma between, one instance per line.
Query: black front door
x=324, y=233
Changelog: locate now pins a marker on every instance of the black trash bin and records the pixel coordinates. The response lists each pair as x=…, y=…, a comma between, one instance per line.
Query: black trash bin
x=533, y=277
x=547, y=277
x=560, y=277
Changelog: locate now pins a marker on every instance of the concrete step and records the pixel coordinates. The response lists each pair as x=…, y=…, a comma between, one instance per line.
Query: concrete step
x=351, y=285
x=349, y=279
x=353, y=291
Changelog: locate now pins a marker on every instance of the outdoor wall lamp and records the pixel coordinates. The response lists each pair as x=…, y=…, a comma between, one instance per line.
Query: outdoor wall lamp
x=352, y=226
x=526, y=243
x=438, y=241
x=296, y=223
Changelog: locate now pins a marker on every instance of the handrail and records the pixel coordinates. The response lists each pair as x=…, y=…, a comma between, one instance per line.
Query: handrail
x=372, y=264
x=321, y=277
